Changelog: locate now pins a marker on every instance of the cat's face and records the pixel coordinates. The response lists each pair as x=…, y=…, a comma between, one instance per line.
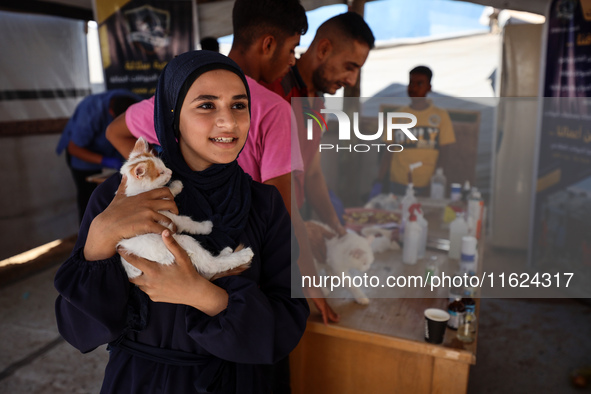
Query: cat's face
x=350, y=251
x=150, y=170
x=144, y=170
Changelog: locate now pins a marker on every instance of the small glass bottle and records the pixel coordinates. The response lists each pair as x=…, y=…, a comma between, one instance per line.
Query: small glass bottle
x=469, y=303
x=467, y=328
x=456, y=291
x=431, y=268
x=456, y=311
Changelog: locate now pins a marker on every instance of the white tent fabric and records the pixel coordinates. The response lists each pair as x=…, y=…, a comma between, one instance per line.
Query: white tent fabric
x=25, y=79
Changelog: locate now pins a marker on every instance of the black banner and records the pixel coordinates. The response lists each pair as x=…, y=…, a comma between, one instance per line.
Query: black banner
x=562, y=210
x=139, y=37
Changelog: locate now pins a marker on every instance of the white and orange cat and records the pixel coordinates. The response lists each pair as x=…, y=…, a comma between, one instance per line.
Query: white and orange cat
x=146, y=172
x=340, y=255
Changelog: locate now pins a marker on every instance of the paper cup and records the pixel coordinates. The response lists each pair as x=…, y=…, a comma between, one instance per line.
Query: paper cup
x=435, y=324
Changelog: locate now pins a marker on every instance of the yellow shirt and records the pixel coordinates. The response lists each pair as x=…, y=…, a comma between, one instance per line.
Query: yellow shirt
x=433, y=129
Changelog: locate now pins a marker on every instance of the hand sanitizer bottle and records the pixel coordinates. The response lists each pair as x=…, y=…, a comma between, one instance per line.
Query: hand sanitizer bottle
x=407, y=201
x=412, y=235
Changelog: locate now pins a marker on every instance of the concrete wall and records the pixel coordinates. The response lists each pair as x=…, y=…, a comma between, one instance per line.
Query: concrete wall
x=44, y=77
x=38, y=198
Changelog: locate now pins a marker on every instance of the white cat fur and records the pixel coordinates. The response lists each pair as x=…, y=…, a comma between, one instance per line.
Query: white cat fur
x=382, y=239
x=348, y=252
x=151, y=246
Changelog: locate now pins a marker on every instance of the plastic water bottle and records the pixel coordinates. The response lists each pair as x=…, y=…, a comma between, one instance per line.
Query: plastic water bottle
x=457, y=229
x=438, y=183
x=468, y=259
x=424, y=233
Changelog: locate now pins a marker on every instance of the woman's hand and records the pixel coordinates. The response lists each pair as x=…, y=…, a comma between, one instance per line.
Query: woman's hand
x=179, y=283
x=126, y=217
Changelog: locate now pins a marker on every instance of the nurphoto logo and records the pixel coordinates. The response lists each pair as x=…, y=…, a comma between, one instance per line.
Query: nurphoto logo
x=392, y=124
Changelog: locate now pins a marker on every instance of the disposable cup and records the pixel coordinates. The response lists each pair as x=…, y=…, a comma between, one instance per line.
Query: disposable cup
x=435, y=325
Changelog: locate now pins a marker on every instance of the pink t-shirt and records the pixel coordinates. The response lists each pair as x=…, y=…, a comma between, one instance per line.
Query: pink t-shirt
x=267, y=153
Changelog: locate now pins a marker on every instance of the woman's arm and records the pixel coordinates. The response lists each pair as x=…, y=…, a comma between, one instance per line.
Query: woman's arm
x=262, y=323
x=126, y=217
x=93, y=303
x=237, y=318
x=179, y=283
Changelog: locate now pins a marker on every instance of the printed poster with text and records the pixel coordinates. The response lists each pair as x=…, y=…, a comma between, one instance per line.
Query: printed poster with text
x=562, y=217
x=139, y=37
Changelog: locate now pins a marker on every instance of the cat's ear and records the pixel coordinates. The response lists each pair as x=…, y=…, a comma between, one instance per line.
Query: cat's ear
x=140, y=170
x=141, y=146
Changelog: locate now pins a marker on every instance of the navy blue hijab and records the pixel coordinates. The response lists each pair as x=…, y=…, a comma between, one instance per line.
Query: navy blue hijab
x=220, y=193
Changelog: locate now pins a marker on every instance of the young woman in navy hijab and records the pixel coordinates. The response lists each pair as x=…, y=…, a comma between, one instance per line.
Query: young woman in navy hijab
x=172, y=331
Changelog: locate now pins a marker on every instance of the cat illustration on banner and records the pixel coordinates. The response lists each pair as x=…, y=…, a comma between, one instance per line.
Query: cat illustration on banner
x=340, y=255
x=146, y=172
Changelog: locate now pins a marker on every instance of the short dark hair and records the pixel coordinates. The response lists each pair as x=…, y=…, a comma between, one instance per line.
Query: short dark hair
x=119, y=104
x=352, y=25
x=281, y=18
x=423, y=70
x=210, y=44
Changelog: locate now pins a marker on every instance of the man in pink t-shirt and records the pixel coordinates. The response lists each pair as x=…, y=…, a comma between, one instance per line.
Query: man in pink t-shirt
x=267, y=153
x=264, y=54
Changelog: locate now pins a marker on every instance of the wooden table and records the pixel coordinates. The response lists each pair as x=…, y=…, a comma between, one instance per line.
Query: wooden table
x=380, y=348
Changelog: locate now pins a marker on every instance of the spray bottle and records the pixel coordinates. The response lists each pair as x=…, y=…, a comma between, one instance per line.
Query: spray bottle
x=412, y=235
x=408, y=200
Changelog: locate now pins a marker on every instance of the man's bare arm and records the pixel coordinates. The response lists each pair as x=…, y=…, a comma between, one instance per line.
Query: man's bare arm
x=318, y=197
x=120, y=137
x=84, y=154
x=283, y=184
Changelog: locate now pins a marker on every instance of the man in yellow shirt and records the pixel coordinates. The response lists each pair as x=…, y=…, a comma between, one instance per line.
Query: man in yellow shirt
x=433, y=130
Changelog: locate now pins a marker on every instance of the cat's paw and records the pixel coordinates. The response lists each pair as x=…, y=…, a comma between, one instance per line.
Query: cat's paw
x=176, y=187
x=130, y=270
x=226, y=251
x=362, y=300
x=245, y=255
x=206, y=227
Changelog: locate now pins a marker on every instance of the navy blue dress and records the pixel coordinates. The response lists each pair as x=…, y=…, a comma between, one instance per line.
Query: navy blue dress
x=261, y=325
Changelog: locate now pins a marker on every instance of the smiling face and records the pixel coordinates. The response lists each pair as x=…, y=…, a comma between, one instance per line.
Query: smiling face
x=340, y=66
x=214, y=120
